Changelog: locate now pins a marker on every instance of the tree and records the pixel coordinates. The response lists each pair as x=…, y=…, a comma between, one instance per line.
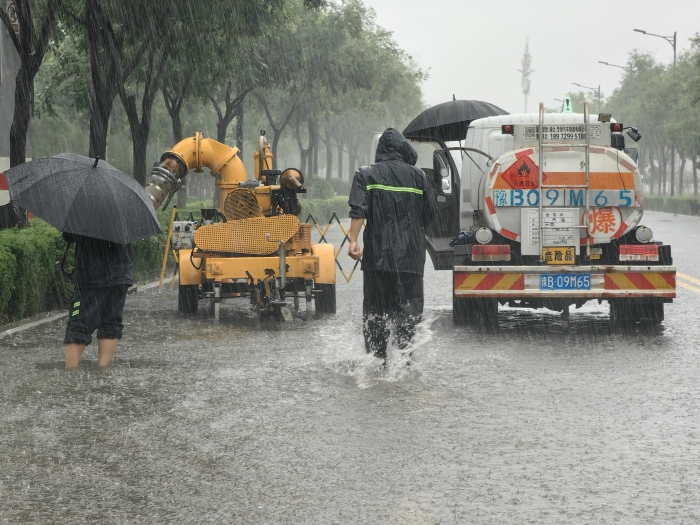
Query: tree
x=31, y=47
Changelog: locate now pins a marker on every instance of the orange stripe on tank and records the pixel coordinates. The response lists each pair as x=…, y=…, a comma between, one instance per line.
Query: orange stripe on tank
x=600, y=180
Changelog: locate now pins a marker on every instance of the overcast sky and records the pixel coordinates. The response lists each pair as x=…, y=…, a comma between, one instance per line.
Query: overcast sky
x=473, y=48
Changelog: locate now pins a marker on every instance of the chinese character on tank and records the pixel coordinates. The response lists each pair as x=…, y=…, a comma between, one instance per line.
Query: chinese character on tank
x=605, y=221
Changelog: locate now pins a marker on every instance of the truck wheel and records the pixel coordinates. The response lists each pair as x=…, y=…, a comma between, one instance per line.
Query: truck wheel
x=325, y=300
x=487, y=311
x=188, y=299
x=461, y=311
x=629, y=311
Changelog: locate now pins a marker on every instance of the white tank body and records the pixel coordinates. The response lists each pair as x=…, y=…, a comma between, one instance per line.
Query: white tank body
x=510, y=195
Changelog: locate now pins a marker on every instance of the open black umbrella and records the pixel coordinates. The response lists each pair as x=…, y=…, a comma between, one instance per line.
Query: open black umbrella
x=449, y=121
x=84, y=196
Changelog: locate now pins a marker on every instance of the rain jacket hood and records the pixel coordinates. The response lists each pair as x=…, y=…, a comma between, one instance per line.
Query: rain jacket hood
x=394, y=146
x=397, y=202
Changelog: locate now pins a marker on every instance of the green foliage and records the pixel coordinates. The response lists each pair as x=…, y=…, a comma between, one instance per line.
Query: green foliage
x=320, y=188
x=661, y=101
x=34, y=281
x=685, y=205
x=340, y=186
x=322, y=209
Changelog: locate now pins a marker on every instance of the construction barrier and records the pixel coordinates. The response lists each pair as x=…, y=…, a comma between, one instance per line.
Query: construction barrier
x=322, y=233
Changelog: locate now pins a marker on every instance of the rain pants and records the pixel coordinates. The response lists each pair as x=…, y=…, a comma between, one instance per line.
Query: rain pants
x=396, y=200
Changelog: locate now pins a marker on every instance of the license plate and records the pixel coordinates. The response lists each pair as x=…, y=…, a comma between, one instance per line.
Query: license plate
x=565, y=255
x=565, y=281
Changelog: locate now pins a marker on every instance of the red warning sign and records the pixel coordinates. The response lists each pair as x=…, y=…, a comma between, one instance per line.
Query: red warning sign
x=523, y=174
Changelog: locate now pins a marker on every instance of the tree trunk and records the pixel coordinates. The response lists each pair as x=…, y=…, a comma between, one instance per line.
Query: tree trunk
x=695, y=176
x=276, y=128
x=329, y=153
x=100, y=110
x=239, y=130
x=20, y=122
x=310, y=157
x=31, y=47
x=313, y=144
x=140, y=128
x=680, y=175
x=139, y=156
x=673, y=169
x=174, y=107
x=664, y=171
x=352, y=159
x=341, y=147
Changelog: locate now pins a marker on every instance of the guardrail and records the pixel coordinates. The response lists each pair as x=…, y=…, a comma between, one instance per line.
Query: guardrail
x=323, y=233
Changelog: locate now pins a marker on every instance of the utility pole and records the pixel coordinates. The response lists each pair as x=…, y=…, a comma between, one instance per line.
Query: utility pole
x=671, y=40
x=525, y=71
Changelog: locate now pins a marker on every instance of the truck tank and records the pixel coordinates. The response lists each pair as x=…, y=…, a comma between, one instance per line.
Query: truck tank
x=555, y=202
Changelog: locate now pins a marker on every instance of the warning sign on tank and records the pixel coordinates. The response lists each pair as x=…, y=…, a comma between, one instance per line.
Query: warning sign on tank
x=522, y=175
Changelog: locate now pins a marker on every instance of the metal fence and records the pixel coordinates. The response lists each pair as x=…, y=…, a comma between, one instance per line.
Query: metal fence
x=323, y=232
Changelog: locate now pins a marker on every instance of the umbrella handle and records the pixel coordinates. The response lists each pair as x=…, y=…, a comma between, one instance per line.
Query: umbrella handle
x=63, y=262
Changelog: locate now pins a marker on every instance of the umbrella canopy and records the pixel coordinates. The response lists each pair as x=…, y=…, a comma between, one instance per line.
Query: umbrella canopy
x=84, y=196
x=449, y=121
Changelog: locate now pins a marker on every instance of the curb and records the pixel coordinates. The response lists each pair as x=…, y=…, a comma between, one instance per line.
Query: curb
x=25, y=324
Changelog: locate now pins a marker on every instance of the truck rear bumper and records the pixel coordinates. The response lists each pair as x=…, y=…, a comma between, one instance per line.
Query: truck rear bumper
x=519, y=282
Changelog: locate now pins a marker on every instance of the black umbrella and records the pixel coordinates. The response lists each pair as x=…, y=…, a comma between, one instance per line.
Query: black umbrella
x=449, y=121
x=84, y=196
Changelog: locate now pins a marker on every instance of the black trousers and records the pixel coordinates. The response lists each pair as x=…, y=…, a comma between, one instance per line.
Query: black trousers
x=391, y=300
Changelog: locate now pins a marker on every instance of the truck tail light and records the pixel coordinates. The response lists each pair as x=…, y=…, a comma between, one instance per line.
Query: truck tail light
x=639, y=252
x=491, y=252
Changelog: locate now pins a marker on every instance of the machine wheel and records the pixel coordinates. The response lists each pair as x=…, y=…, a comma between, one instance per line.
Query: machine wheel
x=188, y=299
x=325, y=300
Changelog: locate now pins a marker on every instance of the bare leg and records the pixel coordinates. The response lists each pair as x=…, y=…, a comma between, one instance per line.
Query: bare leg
x=105, y=351
x=73, y=353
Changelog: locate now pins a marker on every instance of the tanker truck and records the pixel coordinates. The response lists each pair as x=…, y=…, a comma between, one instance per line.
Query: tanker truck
x=550, y=212
x=253, y=247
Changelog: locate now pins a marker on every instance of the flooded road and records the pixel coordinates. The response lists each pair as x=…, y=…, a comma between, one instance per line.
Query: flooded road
x=204, y=422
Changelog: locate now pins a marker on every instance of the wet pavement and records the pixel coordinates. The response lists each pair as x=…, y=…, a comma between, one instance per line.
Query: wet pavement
x=204, y=422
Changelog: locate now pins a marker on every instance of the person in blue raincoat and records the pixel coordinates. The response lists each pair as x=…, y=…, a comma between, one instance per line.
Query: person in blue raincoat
x=396, y=200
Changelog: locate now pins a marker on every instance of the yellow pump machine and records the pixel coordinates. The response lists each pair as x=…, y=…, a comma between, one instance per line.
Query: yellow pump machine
x=254, y=245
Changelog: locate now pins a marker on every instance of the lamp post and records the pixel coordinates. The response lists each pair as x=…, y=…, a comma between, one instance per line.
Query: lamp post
x=613, y=65
x=592, y=89
x=671, y=40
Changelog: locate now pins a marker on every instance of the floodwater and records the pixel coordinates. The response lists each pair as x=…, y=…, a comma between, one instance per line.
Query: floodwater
x=204, y=422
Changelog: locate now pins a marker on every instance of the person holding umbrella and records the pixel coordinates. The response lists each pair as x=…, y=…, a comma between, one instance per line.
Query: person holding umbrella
x=102, y=211
x=102, y=276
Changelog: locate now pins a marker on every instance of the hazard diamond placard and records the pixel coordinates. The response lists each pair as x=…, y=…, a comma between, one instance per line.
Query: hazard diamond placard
x=522, y=175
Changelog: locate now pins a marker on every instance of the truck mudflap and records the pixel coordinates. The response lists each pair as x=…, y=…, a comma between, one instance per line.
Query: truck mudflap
x=590, y=282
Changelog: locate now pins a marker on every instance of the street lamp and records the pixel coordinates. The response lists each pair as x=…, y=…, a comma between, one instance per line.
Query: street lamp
x=613, y=65
x=592, y=89
x=672, y=41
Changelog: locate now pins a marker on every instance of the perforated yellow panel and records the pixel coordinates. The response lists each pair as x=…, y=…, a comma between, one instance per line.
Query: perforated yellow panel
x=258, y=236
x=241, y=203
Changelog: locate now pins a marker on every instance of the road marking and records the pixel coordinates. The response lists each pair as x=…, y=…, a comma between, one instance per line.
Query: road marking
x=688, y=278
x=688, y=287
